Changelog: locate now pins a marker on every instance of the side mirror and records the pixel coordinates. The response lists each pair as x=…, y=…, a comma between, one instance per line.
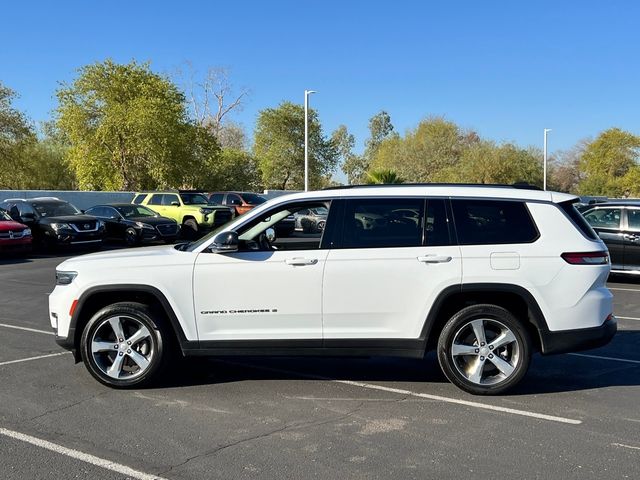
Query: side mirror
x=270, y=233
x=224, y=242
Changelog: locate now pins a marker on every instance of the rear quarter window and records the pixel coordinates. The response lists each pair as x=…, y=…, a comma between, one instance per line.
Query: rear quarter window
x=578, y=220
x=481, y=222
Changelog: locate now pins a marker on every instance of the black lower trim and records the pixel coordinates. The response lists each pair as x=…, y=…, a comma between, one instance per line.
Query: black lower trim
x=577, y=340
x=309, y=347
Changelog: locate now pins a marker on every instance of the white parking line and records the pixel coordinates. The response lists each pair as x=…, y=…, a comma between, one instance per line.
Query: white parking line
x=625, y=360
x=33, y=358
x=624, y=289
x=625, y=446
x=26, y=329
x=371, y=386
x=628, y=318
x=83, y=457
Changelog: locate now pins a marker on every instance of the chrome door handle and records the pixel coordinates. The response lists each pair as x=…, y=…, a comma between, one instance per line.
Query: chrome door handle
x=434, y=259
x=301, y=261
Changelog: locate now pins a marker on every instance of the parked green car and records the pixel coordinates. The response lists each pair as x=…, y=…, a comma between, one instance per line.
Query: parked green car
x=189, y=208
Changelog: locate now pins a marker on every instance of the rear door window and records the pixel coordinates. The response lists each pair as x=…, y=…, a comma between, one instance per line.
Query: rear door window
x=483, y=222
x=384, y=222
x=138, y=199
x=156, y=199
x=604, y=217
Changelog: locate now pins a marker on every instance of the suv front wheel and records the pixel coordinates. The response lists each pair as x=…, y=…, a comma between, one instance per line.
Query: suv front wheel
x=122, y=346
x=484, y=350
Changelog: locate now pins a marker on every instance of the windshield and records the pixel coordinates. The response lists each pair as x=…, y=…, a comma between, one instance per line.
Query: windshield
x=253, y=199
x=55, y=209
x=4, y=216
x=193, y=199
x=129, y=211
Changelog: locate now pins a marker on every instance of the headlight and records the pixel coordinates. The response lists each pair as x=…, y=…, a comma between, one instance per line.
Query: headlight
x=144, y=225
x=26, y=232
x=205, y=211
x=65, y=278
x=61, y=226
x=100, y=224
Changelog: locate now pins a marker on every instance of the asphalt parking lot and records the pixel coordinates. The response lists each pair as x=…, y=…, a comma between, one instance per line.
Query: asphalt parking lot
x=574, y=416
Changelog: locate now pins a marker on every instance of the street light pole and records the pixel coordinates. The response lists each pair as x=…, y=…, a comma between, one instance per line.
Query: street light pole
x=544, y=174
x=306, y=138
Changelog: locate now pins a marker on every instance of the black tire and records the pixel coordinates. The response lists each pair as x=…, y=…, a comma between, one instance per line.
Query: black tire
x=484, y=368
x=320, y=226
x=154, y=345
x=131, y=237
x=190, y=228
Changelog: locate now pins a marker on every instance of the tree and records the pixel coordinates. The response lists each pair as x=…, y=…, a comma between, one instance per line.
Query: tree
x=486, y=162
x=380, y=128
x=427, y=153
x=352, y=165
x=232, y=135
x=610, y=165
x=16, y=135
x=128, y=129
x=564, y=168
x=279, y=148
x=383, y=176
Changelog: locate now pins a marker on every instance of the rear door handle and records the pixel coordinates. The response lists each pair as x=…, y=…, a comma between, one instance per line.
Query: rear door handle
x=301, y=261
x=434, y=259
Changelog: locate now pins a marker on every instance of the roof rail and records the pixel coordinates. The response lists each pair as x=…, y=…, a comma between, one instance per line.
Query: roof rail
x=519, y=185
x=43, y=198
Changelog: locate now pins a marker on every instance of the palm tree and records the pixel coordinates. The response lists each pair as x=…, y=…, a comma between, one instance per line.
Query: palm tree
x=383, y=176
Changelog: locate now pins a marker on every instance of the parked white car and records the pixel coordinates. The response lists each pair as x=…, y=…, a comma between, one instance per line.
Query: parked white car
x=485, y=275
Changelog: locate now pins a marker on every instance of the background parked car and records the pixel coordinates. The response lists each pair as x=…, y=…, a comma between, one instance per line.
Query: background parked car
x=135, y=224
x=241, y=202
x=311, y=220
x=14, y=236
x=54, y=222
x=190, y=209
x=617, y=223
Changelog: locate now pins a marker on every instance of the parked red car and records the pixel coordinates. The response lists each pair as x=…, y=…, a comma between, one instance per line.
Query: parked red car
x=241, y=202
x=14, y=236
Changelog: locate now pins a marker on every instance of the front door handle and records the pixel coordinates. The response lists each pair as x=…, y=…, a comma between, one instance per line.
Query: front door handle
x=434, y=259
x=301, y=261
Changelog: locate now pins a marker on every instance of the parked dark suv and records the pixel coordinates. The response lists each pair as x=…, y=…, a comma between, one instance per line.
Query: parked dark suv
x=54, y=222
x=617, y=223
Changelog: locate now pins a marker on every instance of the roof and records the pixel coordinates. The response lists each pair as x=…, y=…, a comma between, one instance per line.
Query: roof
x=35, y=199
x=436, y=190
x=617, y=203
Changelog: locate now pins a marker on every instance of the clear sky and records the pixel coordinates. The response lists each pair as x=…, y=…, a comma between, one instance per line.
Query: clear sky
x=507, y=69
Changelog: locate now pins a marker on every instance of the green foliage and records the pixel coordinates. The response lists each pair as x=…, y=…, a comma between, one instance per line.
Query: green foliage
x=279, y=148
x=609, y=165
x=16, y=135
x=237, y=170
x=427, y=153
x=128, y=129
x=354, y=166
x=486, y=162
x=383, y=176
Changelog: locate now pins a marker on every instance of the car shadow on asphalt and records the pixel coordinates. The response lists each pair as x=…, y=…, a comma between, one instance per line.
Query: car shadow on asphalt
x=548, y=374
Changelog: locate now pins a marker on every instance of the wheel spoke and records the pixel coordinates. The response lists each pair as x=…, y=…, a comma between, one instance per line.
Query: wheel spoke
x=98, y=346
x=141, y=334
x=505, y=367
x=459, y=349
x=116, y=325
x=476, y=370
x=139, y=359
x=504, y=339
x=116, y=367
x=478, y=330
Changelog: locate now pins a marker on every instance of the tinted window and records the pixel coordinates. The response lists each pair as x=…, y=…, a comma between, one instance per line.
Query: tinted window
x=634, y=218
x=573, y=210
x=55, y=209
x=128, y=211
x=169, y=199
x=216, y=198
x=436, y=224
x=480, y=222
x=233, y=199
x=383, y=223
x=139, y=198
x=156, y=199
x=4, y=216
x=604, y=217
x=192, y=199
x=253, y=199
x=98, y=212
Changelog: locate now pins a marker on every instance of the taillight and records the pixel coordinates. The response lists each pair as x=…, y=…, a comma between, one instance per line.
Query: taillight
x=586, y=258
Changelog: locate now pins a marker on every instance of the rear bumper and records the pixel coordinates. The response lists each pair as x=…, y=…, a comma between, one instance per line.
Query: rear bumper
x=576, y=340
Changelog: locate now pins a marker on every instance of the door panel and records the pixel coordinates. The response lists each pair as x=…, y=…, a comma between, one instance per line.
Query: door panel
x=631, y=239
x=259, y=295
x=607, y=223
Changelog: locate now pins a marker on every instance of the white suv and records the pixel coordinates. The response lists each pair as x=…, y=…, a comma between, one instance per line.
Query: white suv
x=485, y=275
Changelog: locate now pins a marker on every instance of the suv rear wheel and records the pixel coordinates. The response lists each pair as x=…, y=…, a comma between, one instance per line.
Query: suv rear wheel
x=484, y=350
x=122, y=346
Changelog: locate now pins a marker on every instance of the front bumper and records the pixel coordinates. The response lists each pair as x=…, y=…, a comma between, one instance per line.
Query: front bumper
x=581, y=339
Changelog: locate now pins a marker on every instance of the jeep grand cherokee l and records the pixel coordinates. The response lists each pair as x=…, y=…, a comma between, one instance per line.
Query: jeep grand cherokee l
x=484, y=275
